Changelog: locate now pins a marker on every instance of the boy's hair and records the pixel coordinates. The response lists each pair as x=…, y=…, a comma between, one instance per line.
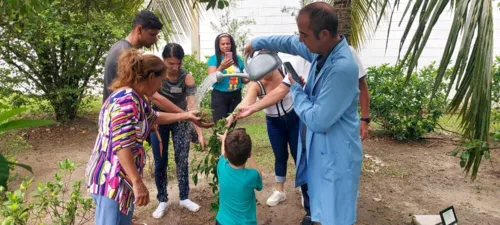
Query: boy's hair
x=238, y=146
x=148, y=20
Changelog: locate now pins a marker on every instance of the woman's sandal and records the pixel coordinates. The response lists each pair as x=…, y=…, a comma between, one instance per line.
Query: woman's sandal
x=134, y=218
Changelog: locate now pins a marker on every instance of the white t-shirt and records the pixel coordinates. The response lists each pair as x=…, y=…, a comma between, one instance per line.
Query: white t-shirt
x=302, y=67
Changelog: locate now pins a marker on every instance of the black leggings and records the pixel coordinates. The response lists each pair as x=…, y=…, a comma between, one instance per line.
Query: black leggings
x=224, y=103
x=180, y=141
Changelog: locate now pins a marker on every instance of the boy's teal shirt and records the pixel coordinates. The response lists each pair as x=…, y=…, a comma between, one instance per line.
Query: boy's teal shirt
x=237, y=202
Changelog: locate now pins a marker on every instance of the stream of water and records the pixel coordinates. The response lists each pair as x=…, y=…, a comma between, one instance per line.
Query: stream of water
x=203, y=88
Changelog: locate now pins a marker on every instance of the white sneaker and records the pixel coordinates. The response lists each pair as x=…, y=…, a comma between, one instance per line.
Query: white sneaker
x=276, y=198
x=188, y=204
x=160, y=211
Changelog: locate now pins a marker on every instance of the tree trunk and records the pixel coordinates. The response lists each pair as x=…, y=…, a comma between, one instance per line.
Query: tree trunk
x=343, y=10
x=65, y=106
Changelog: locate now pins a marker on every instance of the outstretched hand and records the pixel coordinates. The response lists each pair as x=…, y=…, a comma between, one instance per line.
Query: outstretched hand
x=222, y=138
x=202, y=124
x=192, y=115
x=195, y=118
x=245, y=111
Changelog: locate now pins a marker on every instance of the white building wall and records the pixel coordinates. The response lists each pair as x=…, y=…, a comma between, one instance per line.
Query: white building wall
x=271, y=21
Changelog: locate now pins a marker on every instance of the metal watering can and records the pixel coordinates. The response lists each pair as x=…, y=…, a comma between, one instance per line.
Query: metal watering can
x=260, y=65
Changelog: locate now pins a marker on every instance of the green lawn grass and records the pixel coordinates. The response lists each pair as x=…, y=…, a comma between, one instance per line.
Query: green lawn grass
x=450, y=122
x=91, y=105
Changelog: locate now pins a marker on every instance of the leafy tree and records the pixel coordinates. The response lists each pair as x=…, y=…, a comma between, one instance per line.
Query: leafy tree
x=57, y=47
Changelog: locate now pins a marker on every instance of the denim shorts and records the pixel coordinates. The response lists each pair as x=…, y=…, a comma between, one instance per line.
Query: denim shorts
x=107, y=212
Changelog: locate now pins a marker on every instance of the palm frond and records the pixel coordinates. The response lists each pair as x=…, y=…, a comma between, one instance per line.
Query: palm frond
x=472, y=75
x=178, y=15
x=362, y=21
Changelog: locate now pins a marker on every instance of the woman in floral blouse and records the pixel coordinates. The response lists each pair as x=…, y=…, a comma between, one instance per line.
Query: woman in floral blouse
x=114, y=171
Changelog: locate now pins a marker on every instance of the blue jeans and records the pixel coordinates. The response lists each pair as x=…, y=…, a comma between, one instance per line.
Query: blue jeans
x=181, y=140
x=283, y=132
x=107, y=212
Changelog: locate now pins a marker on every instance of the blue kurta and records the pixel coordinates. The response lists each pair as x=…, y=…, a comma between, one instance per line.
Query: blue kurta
x=328, y=107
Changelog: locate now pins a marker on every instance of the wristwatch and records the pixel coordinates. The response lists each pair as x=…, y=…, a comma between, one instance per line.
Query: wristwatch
x=367, y=120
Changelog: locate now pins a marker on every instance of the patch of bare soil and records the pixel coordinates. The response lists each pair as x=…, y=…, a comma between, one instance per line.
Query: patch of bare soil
x=399, y=179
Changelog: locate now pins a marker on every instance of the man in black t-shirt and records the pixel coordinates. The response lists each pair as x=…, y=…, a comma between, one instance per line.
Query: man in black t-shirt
x=145, y=29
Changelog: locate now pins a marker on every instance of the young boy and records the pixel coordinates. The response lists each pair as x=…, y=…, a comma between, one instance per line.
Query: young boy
x=237, y=183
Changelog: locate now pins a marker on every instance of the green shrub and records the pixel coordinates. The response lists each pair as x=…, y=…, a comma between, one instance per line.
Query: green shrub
x=197, y=68
x=199, y=71
x=59, y=200
x=403, y=108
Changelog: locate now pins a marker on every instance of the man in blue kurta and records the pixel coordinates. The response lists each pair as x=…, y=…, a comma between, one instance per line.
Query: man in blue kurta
x=329, y=155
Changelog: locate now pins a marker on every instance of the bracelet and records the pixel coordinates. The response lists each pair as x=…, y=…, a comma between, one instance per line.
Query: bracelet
x=367, y=120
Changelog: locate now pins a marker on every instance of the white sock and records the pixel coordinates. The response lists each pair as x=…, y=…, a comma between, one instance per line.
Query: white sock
x=188, y=204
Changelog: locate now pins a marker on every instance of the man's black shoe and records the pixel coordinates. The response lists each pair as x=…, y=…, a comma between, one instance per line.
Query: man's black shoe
x=306, y=220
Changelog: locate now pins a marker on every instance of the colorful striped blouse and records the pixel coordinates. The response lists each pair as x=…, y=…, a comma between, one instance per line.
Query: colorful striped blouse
x=124, y=122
